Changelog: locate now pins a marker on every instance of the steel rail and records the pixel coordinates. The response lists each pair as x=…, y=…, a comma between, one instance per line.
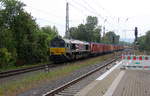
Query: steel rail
x=24, y=70
x=59, y=89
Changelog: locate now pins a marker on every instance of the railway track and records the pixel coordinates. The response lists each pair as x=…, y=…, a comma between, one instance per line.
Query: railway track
x=24, y=70
x=68, y=90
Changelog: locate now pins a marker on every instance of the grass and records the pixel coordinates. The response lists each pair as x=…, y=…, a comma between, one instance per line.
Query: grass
x=15, y=87
x=18, y=67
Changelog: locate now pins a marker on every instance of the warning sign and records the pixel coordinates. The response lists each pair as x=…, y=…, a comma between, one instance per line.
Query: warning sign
x=136, y=62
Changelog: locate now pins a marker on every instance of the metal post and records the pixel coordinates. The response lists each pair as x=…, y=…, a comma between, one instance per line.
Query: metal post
x=103, y=31
x=67, y=21
x=46, y=68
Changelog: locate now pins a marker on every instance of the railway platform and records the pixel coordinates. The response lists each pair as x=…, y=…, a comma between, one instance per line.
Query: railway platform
x=130, y=77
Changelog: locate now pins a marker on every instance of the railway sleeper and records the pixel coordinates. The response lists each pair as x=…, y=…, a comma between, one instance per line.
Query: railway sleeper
x=66, y=94
x=72, y=91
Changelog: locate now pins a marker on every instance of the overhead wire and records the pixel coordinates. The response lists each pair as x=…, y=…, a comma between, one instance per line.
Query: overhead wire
x=85, y=7
x=77, y=8
x=99, y=15
x=88, y=8
x=81, y=8
x=45, y=12
x=51, y=22
x=105, y=10
x=101, y=7
x=92, y=9
x=104, y=18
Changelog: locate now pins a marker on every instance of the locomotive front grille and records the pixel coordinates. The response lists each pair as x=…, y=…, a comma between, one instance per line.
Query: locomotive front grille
x=57, y=51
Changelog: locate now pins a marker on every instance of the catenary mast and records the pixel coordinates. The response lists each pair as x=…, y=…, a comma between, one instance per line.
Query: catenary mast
x=67, y=21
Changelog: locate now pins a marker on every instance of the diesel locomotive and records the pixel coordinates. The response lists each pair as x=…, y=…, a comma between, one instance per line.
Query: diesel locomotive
x=70, y=49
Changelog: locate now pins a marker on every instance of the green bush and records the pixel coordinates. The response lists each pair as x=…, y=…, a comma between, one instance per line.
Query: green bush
x=22, y=41
x=5, y=57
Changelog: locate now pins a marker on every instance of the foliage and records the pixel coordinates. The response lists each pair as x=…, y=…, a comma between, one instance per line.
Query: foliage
x=5, y=57
x=50, y=32
x=91, y=32
x=45, y=34
x=82, y=34
x=141, y=41
x=91, y=21
x=97, y=34
x=6, y=37
x=73, y=32
x=14, y=87
x=111, y=38
x=144, y=43
x=147, y=41
x=21, y=39
x=87, y=32
x=23, y=28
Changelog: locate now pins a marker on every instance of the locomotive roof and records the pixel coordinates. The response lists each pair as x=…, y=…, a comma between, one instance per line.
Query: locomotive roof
x=75, y=41
x=83, y=42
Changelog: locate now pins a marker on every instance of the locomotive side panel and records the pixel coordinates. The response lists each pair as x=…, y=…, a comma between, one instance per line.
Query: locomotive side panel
x=69, y=49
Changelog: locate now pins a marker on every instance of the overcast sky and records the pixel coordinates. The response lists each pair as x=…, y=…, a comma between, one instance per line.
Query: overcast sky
x=131, y=13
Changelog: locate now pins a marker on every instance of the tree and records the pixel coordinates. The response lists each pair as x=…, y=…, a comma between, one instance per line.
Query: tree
x=8, y=11
x=111, y=38
x=92, y=33
x=5, y=57
x=97, y=34
x=91, y=23
x=42, y=47
x=22, y=29
x=21, y=39
x=82, y=33
x=147, y=41
x=45, y=35
x=144, y=43
x=73, y=32
x=79, y=32
x=87, y=32
x=51, y=32
x=141, y=41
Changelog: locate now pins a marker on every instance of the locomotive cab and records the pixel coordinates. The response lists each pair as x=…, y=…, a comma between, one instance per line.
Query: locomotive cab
x=57, y=46
x=57, y=50
x=68, y=49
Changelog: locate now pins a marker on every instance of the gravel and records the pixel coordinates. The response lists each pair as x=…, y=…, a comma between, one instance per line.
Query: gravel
x=42, y=89
x=74, y=89
x=23, y=75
